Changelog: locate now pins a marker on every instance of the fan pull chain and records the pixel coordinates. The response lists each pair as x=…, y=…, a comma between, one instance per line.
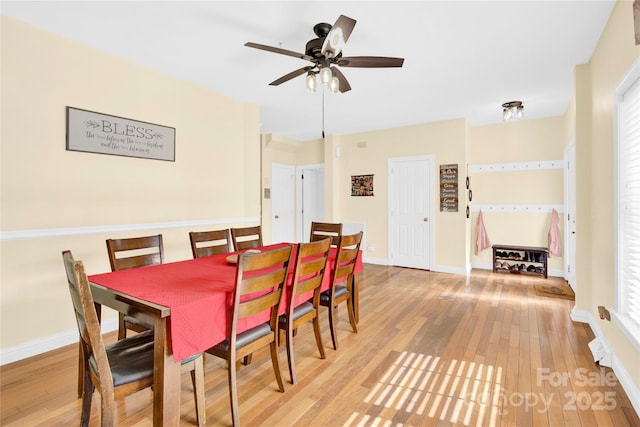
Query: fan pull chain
x=322, y=113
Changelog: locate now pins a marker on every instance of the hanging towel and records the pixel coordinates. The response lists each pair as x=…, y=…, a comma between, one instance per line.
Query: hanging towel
x=555, y=246
x=482, y=240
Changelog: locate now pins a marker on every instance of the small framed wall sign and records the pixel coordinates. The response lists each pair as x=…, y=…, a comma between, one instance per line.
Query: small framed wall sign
x=449, y=188
x=93, y=132
x=362, y=185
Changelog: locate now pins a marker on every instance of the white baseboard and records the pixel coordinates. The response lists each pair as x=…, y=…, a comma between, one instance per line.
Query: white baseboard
x=632, y=390
x=52, y=342
x=377, y=261
x=449, y=269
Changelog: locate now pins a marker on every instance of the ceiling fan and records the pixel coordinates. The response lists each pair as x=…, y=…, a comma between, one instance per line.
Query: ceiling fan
x=325, y=53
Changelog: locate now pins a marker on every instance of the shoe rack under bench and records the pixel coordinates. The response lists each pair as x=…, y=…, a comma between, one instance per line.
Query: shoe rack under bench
x=520, y=260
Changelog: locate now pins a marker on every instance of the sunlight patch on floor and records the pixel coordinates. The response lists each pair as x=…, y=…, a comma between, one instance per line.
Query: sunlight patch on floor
x=460, y=392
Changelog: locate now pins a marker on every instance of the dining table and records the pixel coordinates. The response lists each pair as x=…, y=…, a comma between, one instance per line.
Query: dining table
x=189, y=303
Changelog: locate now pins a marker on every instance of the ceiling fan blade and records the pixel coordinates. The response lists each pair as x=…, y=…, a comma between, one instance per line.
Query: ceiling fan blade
x=344, y=85
x=370, y=62
x=290, y=76
x=279, y=50
x=338, y=36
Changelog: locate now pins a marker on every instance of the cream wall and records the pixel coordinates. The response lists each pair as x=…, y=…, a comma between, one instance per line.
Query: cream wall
x=53, y=199
x=613, y=56
x=369, y=153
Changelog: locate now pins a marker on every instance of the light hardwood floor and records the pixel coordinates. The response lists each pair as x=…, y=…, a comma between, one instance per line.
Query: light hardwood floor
x=432, y=349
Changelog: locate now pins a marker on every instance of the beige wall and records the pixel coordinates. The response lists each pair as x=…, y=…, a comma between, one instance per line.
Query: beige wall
x=369, y=153
x=47, y=190
x=614, y=55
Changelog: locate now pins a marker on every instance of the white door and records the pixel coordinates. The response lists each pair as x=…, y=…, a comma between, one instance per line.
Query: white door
x=410, y=212
x=310, y=199
x=570, y=209
x=282, y=203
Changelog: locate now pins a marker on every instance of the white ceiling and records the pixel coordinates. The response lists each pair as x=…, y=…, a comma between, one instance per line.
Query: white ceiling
x=462, y=59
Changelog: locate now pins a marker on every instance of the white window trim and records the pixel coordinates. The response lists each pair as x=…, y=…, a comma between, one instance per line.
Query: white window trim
x=630, y=328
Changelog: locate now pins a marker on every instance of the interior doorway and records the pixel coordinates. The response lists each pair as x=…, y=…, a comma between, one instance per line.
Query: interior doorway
x=411, y=212
x=309, y=199
x=282, y=203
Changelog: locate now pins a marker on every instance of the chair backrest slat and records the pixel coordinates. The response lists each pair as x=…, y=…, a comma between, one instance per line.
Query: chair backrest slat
x=246, y=237
x=207, y=243
x=322, y=230
x=346, y=257
x=260, y=281
x=311, y=263
x=135, y=252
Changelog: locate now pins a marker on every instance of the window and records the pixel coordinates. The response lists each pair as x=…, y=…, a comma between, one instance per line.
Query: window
x=627, y=203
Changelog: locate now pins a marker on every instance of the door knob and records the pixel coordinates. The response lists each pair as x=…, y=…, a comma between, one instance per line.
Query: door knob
x=426, y=219
x=277, y=217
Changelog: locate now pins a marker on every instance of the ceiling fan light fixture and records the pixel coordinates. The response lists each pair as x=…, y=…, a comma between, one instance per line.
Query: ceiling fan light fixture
x=512, y=110
x=312, y=84
x=334, y=85
x=325, y=76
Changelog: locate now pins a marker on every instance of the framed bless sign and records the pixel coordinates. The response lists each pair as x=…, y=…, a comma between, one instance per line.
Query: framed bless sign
x=93, y=132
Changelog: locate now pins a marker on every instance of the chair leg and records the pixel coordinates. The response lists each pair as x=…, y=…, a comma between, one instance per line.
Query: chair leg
x=197, y=378
x=316, y=330
x=87, y=393
x=108, y=411
x=333, y=320
x=352, y=316
x=276, y=364
x=233, y=390
x=355, y=296
x=80, y=370
x=122, y=328
x=290, y=356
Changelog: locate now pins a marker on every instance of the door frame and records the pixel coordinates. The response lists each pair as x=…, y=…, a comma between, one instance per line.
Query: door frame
x=288, y=169
x=569, y=246
x=390, y=163
x=299, y=198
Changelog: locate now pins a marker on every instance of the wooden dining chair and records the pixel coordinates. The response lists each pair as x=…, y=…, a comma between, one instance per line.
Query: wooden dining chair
x=321, y=230
x=260, y=279
x=246, y=237
x=121, y=368
x=206, y=243
x=132, y=253
x=342, y=283
x=310, y=267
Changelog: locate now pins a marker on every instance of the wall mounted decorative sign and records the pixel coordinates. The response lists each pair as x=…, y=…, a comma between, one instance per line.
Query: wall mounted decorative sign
x=449, y=188
x=362, y=185
x=93, y=132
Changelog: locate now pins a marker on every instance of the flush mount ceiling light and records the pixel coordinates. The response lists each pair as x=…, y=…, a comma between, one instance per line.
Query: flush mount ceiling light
x=512, y=110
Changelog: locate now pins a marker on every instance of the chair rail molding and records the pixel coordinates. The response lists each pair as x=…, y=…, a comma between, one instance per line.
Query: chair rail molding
x=102, y=229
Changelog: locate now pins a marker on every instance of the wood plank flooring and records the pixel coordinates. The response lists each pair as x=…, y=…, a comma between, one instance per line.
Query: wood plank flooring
x=432, y=349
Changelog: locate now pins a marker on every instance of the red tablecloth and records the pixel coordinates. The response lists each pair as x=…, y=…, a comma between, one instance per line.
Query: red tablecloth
x=199, y=294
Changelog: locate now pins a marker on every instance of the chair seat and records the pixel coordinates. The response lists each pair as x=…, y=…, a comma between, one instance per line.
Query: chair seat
x=131, y=359
x=246, y=337
x=299, y=311
x=339, y=290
